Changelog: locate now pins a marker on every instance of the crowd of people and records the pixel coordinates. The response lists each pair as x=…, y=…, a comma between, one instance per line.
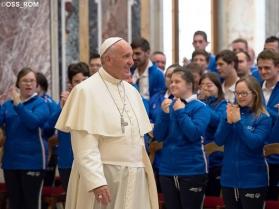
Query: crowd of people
x=124, y=100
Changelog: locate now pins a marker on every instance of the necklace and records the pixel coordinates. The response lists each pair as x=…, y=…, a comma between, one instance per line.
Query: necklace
x=123, y=123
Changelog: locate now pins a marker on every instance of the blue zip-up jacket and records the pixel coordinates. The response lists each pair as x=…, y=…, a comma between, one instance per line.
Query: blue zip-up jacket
x=155, y=107
x=273, y=111
x=24, y=147
x=212, y=63
x=255, y=72
x=65, y=154
x=53, y=108
x=48, y=130
x=182, y=132
x=217, y=111
x=156, y=80
x=244, y=165
x=272, y=102
x=273, y=137
x=155, y=104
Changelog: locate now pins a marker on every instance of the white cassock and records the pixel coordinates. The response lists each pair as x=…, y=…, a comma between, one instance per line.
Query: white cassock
x=103, y=154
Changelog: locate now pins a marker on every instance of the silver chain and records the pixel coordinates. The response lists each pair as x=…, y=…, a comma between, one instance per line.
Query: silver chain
x=123, y=100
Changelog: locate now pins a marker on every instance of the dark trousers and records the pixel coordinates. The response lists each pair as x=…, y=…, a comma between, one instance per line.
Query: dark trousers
x=156, y=175
x=213, y=187
x=183, y=192
x=49, y=179
x=273, y=189
x=244, y=198
x=65, y=176
x=24, y=188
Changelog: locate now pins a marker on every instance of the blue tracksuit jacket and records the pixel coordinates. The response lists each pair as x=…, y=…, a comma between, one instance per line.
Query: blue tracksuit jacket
x=217, y=110
x=182, y=132
x=24, y=147
x=64, y=149
x=244, y=165
x=273, y=111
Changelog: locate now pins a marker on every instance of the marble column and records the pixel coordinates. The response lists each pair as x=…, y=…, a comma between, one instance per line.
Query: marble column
x=151, y=14
x=24, y=41
x=136, y=19
x=114, y=18
x=145, y=19
x=156, y=25
x=93, y=27
x=72, y=49
x=241, y=19
x=54, y=22
x=84, y=30
x=272, y=17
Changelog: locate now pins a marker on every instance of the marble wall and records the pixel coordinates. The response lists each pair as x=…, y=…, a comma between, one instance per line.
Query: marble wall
x=241, y=19
x=72, y=31
x=25, y=35
x=136, y=19
x=93, y=27
x=24, y=41
x=116, y=18
x=272, y=17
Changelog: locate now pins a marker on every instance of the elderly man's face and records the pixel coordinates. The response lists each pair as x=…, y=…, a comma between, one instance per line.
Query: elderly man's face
x=121, y=60
x=159, y=60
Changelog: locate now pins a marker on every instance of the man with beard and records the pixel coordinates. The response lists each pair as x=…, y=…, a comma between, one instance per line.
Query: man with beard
x=147, y=77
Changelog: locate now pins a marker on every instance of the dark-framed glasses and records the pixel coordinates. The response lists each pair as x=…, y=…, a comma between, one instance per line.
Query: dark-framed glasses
x=242, y=94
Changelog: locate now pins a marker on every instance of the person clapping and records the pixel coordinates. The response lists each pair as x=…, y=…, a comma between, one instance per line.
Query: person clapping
x=243, y=131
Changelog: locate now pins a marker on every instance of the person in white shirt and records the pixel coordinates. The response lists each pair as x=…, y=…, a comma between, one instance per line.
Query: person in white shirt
x=146, y=76
x=227, y=62
x=268, y=64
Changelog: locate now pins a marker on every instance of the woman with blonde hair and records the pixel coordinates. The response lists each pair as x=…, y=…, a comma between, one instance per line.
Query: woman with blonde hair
x=243, y=132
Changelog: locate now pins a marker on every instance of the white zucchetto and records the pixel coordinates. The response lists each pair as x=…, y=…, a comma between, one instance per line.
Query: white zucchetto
x=108, y=43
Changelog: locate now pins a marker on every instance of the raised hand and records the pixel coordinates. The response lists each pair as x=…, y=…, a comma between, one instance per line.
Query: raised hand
x=63, y=98
x=203, y=94
x=233, y=113
x=15, y=96
x=166, y=105
x=6, y=95
x=229, y=113
x=178, y=104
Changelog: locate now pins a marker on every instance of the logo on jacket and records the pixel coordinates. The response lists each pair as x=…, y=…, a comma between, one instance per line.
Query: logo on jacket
x=195, y=189
x=251, y=128
x=253, y=196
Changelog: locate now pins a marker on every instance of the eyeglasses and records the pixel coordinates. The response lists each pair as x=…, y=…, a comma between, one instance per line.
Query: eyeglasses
x=28, y=81
x=242, y=94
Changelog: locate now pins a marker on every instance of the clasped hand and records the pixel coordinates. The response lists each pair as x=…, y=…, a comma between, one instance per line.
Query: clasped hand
x=178, y=104
x=233, y=113
x=12, y=94
x=63, y=98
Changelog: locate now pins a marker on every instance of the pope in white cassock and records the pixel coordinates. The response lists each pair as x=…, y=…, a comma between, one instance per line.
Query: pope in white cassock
x=107, y=120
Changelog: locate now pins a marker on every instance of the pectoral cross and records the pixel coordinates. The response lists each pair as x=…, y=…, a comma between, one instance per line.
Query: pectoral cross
x=123, y=124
